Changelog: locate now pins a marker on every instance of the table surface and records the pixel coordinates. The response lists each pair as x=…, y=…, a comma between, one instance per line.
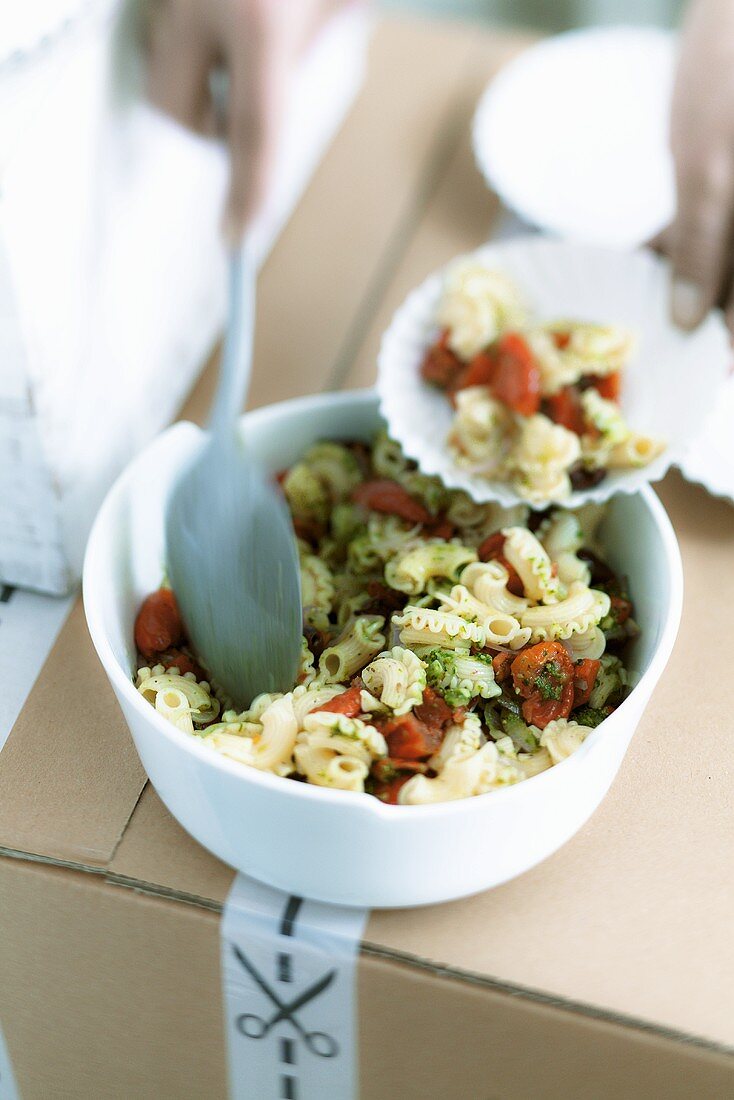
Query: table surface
x=632, y=917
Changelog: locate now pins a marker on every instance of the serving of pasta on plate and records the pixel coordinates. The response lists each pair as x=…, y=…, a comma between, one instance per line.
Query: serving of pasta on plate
x=536, y=402
x=449, y=648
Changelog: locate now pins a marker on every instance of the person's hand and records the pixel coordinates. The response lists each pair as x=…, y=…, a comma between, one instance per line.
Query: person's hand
x=258, y=43
x=701, y=236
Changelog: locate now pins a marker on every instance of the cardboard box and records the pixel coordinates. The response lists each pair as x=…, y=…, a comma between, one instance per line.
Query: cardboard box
x=606, y=973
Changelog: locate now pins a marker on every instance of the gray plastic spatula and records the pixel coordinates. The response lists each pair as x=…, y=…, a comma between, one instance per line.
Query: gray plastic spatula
x=232, y=558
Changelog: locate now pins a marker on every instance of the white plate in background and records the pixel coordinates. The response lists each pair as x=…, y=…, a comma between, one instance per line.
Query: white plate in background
x=573, y=134
x=670, y=385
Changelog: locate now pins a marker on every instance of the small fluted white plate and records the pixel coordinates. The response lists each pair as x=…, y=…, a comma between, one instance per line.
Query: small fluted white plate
x=573, y=134
x=671, y=383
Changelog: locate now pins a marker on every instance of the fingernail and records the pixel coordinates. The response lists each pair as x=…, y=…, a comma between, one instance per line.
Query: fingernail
x=687, y=302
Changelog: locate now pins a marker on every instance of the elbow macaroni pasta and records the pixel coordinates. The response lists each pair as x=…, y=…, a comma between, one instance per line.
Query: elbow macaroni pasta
x=425, y=673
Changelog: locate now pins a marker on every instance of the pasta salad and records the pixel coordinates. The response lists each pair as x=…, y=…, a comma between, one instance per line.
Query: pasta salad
x=449, y=648
x=537, y=402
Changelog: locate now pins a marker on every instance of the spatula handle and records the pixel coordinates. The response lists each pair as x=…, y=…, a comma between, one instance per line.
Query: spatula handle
x=236, y=365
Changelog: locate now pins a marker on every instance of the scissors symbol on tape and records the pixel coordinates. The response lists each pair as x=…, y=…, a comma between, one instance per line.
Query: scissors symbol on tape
x=255, y=1027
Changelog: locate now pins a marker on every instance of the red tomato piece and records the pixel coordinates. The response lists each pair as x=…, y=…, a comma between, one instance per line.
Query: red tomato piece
x=158, y=626
x=502, y=665
x=386, y=768
x=620, y=608
x=561, y=339
x=609, y=386
x=479, y=371
x=384, y=600
x=410, y=739
x=531, y=662
x=514, y=584
x=388, y=790
x=565, y=408
x=311, y=530
x=442, y=529
x=433, y=711
x=176, y=658
x=384, y=495
x=543, y=675
x=538, y=711
x=492, y=547
x=440, y=365
x=418, y=734
x=348, y=703
x=492, y=550
x=584, y=677
x=516, y=380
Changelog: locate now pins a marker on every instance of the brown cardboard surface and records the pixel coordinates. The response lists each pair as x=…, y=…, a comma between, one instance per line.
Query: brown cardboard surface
x=107, y=995
x=158, y=854
x=630, y=920
x=427, y=1038
x=69, y=773
x=112, y=995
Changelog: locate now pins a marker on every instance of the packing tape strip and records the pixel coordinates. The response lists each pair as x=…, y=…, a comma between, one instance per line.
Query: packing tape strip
x=288, y=981
x=8, y=1087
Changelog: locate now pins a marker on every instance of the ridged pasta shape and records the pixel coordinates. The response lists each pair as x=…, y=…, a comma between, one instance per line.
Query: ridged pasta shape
x=350, y=735
x=360, y=640
x=410, y=572
x=317, y=583
x=487, y=580
x=388, y=459
x=590, y=643
x=279, y=729
x=606, y=416
x=499, y=627
x=531, y=561
x=308, y=699
x=477, y=305
x=203, y=706
x=542, y=455
x=307, y=498
x=173, y=705
x=397, y=678
x=561, y=536
x=478, y=432
x=426, y=626
x=335, y=751
x=582, y=610
x=636, y=450
x=335, y=467
x=561, y=738
x=462, y=740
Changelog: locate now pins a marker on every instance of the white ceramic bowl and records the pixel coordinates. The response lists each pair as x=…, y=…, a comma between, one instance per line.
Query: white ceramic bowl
x=585, y=282
x=339, y=846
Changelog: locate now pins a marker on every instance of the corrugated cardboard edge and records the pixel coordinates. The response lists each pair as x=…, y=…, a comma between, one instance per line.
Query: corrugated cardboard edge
x=480, y=981
x=150, y=1023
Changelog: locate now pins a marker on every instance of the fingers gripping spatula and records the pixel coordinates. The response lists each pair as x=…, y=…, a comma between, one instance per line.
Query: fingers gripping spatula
x=232, y=558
